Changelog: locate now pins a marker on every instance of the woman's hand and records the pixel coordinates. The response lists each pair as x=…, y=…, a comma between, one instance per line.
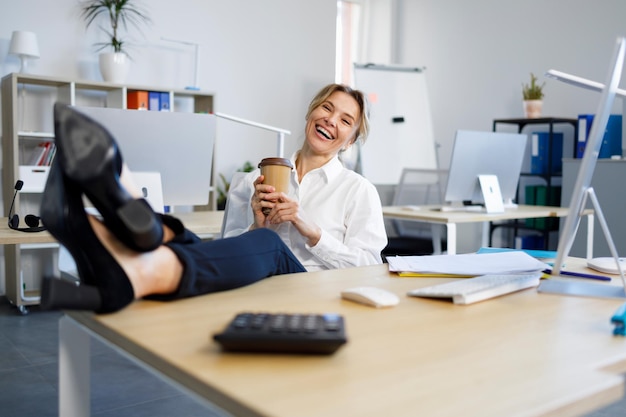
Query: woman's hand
x=280, y=209
x=260, y=202
x=288, y=210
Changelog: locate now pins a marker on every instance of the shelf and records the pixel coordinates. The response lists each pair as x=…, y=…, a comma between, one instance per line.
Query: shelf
x=35, y=135
x=27, y=116
x=547, y=176
x=34, y=246
x=539, y=120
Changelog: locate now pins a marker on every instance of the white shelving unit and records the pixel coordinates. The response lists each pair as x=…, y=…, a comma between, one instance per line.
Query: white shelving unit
x=27, y=121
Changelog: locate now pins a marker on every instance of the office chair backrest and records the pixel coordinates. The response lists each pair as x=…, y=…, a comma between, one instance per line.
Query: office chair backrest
x=418, y=187
x=228, y=211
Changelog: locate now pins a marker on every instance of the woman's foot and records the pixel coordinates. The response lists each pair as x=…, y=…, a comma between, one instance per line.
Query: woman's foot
x=104, y=286
x=89, y=156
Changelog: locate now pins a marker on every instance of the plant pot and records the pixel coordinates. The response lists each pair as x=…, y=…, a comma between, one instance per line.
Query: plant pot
x=114, y=67
x=532, y=108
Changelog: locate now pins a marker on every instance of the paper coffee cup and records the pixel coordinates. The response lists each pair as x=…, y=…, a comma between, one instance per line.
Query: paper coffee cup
x=276, y=172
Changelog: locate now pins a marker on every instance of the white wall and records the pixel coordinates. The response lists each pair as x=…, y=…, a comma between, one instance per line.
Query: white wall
x=478, y=53
x=264, y=60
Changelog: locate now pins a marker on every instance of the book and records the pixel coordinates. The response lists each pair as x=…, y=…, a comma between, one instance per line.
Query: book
x=540, y=143
x=164, y=101
x=38, y=154
x=154, y=99
x=137, y=100
x=50, y=155
x=611, y=141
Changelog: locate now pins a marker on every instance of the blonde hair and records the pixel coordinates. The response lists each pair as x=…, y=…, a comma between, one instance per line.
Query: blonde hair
x=358, y=96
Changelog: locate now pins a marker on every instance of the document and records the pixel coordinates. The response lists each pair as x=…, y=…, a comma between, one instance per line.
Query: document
x=467, y=264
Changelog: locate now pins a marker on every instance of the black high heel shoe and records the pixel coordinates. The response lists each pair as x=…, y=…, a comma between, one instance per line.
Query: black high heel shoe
x=90, y=157
x=104, y=286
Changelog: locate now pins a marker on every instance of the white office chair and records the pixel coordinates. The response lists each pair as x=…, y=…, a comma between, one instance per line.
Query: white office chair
x=228, y=210
x=417, y=187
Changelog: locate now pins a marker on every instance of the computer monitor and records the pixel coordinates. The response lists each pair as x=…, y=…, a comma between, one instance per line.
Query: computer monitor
x=178, y=145
x=583, y=189
x=484, y=153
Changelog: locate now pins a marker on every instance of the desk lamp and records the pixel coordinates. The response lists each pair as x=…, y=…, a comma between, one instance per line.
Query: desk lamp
x=24, y=45
x=280, y=146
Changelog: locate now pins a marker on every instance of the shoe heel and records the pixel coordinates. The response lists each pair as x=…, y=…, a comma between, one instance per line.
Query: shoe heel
x=142, y=227
x=63, y=294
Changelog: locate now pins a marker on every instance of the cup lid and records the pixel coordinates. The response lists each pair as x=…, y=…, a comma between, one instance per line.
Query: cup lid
x=275, y=161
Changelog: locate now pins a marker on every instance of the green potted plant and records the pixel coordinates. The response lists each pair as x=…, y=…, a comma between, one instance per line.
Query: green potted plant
x=222, y=190
x=120, y=14
x=533, y=97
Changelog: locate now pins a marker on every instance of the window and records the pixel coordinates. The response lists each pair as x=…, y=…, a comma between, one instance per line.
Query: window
x=348, y=18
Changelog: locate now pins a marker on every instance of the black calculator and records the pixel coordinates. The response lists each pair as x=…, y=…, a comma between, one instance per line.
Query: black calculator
x=283, y=333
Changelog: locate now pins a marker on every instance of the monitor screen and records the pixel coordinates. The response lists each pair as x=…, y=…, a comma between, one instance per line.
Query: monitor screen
x=177, y=145
x=484, y=153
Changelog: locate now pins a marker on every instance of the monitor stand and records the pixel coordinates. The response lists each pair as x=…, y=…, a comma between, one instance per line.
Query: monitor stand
x=492, y=196
x=586, y=289
x=509, y=204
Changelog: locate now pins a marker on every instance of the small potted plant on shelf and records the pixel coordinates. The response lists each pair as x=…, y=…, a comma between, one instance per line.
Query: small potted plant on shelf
x=114, y=65
x=533, y=97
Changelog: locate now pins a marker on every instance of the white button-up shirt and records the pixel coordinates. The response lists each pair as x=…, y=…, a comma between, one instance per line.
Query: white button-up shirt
x=345, y=205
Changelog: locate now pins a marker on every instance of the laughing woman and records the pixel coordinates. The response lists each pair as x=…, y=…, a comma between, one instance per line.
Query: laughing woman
x=331, y=217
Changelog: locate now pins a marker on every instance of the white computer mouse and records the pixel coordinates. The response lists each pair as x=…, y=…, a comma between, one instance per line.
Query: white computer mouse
x=371, y=296
x=607, y=264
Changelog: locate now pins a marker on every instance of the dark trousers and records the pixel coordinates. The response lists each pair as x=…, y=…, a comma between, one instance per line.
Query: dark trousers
x=224, y=264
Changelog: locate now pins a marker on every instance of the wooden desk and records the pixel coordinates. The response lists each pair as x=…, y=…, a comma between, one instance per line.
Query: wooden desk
x=429, y=214
x=206, y=224
x=524, y=354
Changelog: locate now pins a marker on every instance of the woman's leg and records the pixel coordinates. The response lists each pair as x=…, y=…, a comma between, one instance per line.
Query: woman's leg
x=187, y=266
x=229, y=263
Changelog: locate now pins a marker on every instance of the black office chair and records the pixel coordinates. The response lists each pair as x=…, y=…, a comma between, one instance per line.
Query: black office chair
x=417, y=187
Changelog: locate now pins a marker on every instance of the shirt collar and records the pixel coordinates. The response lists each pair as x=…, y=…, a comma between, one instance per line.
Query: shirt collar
x=330, y=169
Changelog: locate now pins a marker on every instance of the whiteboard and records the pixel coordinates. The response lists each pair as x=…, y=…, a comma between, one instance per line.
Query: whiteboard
x=401, y=131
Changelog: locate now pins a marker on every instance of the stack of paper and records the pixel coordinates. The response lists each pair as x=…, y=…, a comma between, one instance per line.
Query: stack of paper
x=472, y=264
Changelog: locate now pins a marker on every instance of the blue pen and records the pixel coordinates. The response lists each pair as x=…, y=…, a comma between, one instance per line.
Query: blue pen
x=580, y=275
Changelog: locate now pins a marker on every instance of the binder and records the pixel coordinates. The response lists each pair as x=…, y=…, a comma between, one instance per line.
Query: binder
x=164, y=101
x=137, y=100
x=529, y=194
x=537, y=195
x=611, y=141
x=541, y=199
x=540, y=142
x=531, y=242
x=154, y=98
x=584, y=127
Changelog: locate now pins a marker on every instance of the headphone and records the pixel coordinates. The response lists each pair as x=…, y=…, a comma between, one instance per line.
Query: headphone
x=31, y=220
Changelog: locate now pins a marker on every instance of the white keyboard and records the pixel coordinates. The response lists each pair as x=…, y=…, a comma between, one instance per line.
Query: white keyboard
x=472, y=290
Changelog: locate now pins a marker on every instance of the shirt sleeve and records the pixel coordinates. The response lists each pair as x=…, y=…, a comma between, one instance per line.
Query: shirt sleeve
x=365, y=235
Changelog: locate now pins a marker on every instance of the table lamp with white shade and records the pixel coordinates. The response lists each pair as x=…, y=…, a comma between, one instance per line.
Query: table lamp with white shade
x=24, y=45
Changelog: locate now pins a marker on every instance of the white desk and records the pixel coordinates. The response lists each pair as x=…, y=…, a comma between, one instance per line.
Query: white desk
x=429, y=214
x=206, y=224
